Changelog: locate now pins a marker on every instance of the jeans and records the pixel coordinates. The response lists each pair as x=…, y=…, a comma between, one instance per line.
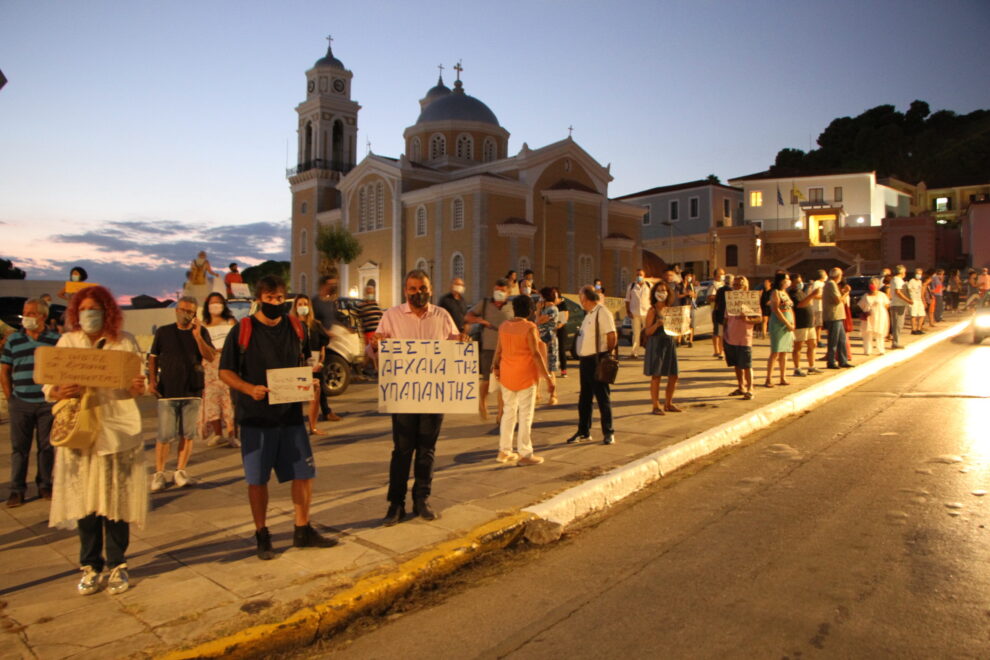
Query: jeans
x=517, y=405
x=30, y=422
x=836, y=351
x=590, y=387
x=91, y=531
x=897, y=323
x=939, y=308
x=412, y=432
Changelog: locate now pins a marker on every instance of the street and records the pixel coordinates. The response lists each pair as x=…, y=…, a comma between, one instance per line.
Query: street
x=855, y=530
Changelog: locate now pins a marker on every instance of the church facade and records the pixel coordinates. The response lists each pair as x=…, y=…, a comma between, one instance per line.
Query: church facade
x=455, y=203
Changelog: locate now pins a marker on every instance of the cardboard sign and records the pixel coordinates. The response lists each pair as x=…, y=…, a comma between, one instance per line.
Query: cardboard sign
x=218, y=335
x=240, y=290
x=89, y=367
x=677, y=320
x=742, y=303
x=290, y=385
x=73, y=287
x=427, y=376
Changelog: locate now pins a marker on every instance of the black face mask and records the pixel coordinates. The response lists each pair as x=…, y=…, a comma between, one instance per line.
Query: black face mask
x=419, y=300
x=273, y=311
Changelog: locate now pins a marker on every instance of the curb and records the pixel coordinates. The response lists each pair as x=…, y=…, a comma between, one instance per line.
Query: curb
x=368, y=595
x=552, y=516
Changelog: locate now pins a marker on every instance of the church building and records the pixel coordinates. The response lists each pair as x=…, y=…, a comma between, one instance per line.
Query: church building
x=455, y=203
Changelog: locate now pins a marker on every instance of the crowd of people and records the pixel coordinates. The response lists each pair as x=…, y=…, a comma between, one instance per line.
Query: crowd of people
x=209, y=373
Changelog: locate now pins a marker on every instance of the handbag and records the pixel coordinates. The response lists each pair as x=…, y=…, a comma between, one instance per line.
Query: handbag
x=75, y=422
x=606, y=368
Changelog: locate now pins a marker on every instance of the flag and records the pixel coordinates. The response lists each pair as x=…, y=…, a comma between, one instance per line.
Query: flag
x=780, y=198
x=795, y=193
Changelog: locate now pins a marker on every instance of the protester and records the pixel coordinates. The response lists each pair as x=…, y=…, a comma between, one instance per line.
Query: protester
x=198, y=286
x=518, y=365
x=273, y=436
x=302, y=309
x=77, y=274
x=415, y=433
x=370, y=314
x=718, y=313
x=637, y=306
x=876, y=321
x=661, y=349
x=490, y=313
x=525, y=289
x=176, y=376
x=765, y=294
x=818, y=284
x=938, y=293
x=983, y=285
x=453, y=301
x=512, y=283
x=53, y=321
x=217, y=413
x=546, y=324
x=233, y=277
x=595, y=340
x=563, y=316
x=780, y=328
x=687, y=293
x=30, y=414
x=102, y=489
x=529, y=278
x=915, y=289
x=327, y=312
x=599, y=287
x=738, y=344
x=900, y=301
x=834, y=316
x=953, y=290
x=804, y=325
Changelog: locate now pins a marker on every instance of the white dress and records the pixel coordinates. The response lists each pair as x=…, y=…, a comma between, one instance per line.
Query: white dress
x=877, y=320
x=110, y=478
x=917, y=303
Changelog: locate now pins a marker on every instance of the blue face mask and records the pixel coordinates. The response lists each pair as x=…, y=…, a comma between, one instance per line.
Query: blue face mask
x=639, y=279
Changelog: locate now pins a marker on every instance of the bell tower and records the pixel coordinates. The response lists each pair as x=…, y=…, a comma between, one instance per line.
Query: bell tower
x=326, y=151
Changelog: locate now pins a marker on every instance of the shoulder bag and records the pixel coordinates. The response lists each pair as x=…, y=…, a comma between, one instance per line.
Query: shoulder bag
x=606, y=368
x=75, y=422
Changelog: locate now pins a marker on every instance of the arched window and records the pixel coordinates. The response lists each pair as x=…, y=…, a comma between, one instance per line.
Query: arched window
x=379, y=205
x=457, y=217
x=438, y=146
x=586, y=268
x=465, y=146
x=303, y=240
x=731, y=256
x=524, y=265
x=624, y=279
x=421, y=221
x=907, y=248
x=302, y=282
x=308, y=142
x=338, y=143
x=362, y=209
x=415, y=150
x=488, y=151
x=457, y=265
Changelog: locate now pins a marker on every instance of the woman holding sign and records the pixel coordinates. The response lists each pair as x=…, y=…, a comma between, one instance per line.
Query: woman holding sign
x=781, y=327
x=302, y=309
x=217, y=416
x=661, y=351
x=738, y=343
x=103, y=488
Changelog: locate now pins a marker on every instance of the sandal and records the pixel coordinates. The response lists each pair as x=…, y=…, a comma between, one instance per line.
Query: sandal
x=672, y=408
x=785, y=382
x=747, y=396
x=658, y=411
x=736, y=392
x=768, y=384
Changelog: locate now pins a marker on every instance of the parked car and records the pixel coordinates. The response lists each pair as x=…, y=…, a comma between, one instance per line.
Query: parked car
x=12, y=306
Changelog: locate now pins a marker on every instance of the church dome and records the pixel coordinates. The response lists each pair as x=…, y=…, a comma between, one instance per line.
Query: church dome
x=437, y=91
x=456, y=106
x=329, y=60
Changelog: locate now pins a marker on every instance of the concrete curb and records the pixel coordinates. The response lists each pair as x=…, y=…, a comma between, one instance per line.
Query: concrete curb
x=551, y=517
x=368, y=595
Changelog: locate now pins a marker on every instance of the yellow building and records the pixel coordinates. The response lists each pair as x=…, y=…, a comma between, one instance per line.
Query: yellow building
x=455, y=203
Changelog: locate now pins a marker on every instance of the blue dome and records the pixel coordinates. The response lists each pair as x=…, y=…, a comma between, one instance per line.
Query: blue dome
x=329, y=60
x=456, y=106
x=439, y=90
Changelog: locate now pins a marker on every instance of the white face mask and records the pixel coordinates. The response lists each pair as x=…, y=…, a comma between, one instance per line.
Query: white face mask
x=91, y=321
x=30, y=323
x=216, y=309
x=74, y=277
x=302, y=310
x=660, y=295
x=457, y=288
x=498, y=296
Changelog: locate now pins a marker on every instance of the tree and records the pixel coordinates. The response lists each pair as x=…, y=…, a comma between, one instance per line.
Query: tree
x=711, y=178
x=8, y=271
x=282, y=269
x=336, y=244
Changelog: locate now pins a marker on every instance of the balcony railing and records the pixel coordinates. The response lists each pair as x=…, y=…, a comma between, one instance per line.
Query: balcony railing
x=320, y=164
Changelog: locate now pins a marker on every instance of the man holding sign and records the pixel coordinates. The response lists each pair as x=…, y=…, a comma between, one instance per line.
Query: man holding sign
x=273, y=435
x=414, y=432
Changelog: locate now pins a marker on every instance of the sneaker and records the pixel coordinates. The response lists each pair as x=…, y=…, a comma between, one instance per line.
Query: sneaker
x=577, y=437
x=305, y=536
x=213, y=440
x=563, y=374
x=609, y=439
x=814, y=370
x=423, y=509
x=506, y=457
x=234, y=442
x=91, y=581
x=15, y=500
x=119, y=581
x=158, y=482
x=799, y=372
x=183, y=479
x=532, y=459
x=264, y=541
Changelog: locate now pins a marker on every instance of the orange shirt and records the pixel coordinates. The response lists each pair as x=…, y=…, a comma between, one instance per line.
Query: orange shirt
x=517, y=368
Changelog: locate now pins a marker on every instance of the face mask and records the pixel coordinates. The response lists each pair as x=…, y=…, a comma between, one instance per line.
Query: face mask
x=369, y=296
x=272, y=311
x=74, y=277
x=873, y=288
x=199, y=261
x=302, y=310
x=524, y=291
x=91, y=321
x=660, y=295
x=332, y=291
x=639, y=279
x=216, y=309
x=457, y=288
x=598, y=287
x=419, y=299
x=498, y=296
x=184, y=318
x=30, y=323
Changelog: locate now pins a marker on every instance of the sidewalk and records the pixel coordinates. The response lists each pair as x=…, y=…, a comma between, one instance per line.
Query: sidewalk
x=193, y=570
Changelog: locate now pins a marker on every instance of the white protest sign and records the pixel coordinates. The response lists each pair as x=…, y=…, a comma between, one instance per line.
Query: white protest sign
x=239, y=290
x=742, y=303
x=677, y=320
x=290, y=385
x=427, y=376
x=218, y=335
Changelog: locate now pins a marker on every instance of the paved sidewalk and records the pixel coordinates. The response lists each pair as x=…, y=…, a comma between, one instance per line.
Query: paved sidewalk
x=193, y=570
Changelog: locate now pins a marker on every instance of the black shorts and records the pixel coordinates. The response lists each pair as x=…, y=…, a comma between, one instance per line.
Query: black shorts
x=740, y=357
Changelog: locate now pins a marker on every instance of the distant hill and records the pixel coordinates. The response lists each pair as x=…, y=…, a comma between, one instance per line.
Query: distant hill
x=941, y=149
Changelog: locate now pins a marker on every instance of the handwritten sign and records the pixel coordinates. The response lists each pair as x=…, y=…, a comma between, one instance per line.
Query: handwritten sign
x=290, y=385
x=742, y=303
x=677, y=320
x=89, y=367
x=239, y=290
x=427, y=376
x=218, y=335
x=73, y=287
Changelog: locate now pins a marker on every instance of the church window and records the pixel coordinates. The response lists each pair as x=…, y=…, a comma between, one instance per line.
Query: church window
x=302, y=282
x=415, y=150
x=308, y=143
x=907, y=248
x=303, y=208
x=421, y=221
x=585, y=270
x=303, y=240
x=624, y=279
x=362, y=209
x=488, y=151
x=438, y=146
x=458, y=215
x=379, y=205
x=457, y=265
x=524, y=265
x=731, y=256
x=465, y=146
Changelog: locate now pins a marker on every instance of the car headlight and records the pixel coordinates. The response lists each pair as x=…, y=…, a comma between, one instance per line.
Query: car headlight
x=982, y=321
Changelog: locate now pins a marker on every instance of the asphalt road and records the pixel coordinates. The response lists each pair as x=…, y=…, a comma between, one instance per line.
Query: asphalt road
x=857, y=530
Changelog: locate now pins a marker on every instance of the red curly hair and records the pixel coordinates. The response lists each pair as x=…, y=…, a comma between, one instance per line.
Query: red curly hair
x=113, y=319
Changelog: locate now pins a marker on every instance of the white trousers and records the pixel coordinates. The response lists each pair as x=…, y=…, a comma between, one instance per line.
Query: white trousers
x=517, y=405
x=871, y=338
x=637, y=326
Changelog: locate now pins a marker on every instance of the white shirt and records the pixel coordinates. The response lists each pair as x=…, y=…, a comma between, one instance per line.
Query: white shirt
x=606, y=324
x=897, y=284
x=638, y=299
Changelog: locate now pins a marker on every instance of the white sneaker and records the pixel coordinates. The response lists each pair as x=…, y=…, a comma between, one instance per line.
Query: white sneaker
x=119, y=581
x=532, y=459
x=234, y=442
x=91, y=581
x=213, y=440
x=158, y=482
x=182, y=479
x=507, y=457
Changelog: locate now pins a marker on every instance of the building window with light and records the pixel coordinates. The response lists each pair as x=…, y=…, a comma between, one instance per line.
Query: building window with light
x=756, y=198
x=438, y=146
x=457, y=217
x=421, y=221
x=942, y=204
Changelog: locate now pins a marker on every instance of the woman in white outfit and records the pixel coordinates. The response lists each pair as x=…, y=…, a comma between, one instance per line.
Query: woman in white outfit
x=917, y=309
x=875, y=304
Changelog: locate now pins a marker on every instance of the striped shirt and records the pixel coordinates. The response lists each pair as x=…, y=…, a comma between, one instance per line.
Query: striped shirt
x=370, y=314
x=18, y=352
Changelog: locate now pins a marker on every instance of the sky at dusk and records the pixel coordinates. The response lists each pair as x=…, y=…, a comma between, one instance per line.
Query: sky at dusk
x=133, y=134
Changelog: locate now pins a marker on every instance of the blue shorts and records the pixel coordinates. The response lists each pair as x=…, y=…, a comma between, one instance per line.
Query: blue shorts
x=178, y=418
x=285, y=449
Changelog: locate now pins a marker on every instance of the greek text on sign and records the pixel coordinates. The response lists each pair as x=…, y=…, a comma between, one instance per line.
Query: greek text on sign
x=742, y=303
x=677, y=320
x=89, y=367
x=427, y=376
x=289, y=385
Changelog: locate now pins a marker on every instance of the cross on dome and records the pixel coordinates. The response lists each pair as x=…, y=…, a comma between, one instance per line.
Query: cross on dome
x=459, y=69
